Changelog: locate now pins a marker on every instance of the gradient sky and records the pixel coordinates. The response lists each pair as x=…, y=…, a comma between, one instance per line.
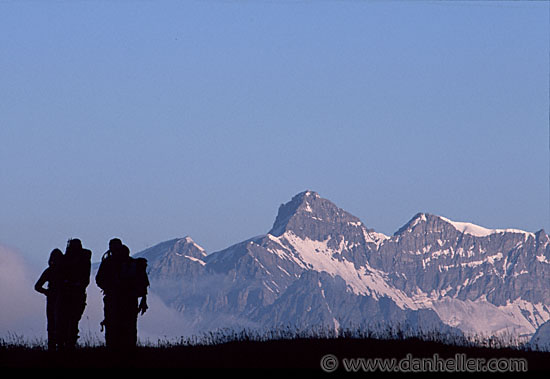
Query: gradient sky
x=151, y=120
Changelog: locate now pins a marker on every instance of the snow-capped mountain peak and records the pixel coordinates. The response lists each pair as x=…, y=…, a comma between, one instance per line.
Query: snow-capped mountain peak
x=437, y=272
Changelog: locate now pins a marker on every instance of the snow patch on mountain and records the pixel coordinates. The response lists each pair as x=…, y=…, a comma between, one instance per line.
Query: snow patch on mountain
x=480, y=317
x=480, y=231
x=200, y=261
x=373, y=237
x=189, y=240
x=318, y=256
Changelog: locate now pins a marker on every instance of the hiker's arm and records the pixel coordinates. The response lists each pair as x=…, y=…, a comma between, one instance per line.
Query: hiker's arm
x=100, y=276
x=143, y=305
x=86, y=268
x=87, y=274
x=39, y=286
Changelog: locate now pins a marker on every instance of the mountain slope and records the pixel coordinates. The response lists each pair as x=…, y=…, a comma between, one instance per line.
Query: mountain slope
x=320, y=265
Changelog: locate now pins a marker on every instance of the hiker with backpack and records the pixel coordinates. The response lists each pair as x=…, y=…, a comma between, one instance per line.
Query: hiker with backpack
x=75, y=277
x=124, y=282
x=67, y=276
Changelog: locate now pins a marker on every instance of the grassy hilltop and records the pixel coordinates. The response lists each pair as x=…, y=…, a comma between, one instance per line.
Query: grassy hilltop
x=343, y=352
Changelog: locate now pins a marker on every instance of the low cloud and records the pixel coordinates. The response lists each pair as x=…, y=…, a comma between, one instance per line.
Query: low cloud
x=161, y=323
x=23, y=310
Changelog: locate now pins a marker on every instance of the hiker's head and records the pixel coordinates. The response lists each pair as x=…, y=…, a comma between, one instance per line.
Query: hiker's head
x=55, y=257
x=115, y=245
x=74, y=244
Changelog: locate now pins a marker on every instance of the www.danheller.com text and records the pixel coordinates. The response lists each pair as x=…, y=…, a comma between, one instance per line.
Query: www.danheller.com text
x=458, y=363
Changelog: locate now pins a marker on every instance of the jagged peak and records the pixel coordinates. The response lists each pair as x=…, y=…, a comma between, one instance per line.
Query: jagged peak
x=187, y=240
x=289, y=209
x=310, y=205
x=178, y=247
x=542, y=234
x=461, y=227
x=309, y=193
x=417, y=219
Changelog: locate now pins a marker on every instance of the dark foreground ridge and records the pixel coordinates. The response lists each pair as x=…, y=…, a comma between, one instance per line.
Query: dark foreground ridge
x=339, y=354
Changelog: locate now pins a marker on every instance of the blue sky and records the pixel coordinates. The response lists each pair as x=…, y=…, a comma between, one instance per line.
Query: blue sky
x=153, y=120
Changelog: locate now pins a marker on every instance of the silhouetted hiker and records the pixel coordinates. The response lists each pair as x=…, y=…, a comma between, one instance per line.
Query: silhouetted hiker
x=53, y=276
x=123, y=280
x=75, y=278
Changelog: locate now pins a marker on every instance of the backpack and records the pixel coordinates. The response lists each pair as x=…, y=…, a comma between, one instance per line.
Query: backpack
x=133, y=277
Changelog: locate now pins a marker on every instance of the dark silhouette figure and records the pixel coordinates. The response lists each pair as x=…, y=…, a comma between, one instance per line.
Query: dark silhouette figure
x=53, y=276
x=76, y=268
x=123, y=280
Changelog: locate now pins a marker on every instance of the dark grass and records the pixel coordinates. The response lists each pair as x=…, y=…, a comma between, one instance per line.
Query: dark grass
x=273, y=350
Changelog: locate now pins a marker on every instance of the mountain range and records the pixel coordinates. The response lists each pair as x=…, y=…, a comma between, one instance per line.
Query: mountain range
x=321, y=267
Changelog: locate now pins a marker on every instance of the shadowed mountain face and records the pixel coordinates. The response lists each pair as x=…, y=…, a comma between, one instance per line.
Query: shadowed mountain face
x=321, y=266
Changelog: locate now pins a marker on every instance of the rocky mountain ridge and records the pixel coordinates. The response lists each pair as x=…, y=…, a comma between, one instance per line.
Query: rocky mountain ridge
x=320, y=265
